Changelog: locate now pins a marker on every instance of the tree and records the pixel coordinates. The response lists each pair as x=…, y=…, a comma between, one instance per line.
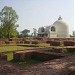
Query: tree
x=25, y=32
x=8, y=19
x=34, y=32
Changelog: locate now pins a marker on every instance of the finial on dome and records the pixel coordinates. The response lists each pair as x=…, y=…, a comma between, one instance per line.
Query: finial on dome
x=59, y=17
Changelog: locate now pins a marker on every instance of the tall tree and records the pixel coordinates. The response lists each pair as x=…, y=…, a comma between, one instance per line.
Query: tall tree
x=8, y=19
x=25, y=32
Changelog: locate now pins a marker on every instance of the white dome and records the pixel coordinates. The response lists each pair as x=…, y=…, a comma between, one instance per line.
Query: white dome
x=41, y=30
x=62, y=29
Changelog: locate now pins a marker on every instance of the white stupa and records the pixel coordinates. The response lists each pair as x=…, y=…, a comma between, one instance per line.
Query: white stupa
x=59, y=29
x=62, y=28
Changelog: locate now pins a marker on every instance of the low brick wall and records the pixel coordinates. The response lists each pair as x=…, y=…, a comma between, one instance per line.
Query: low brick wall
x=68, y=43
x=45, y=56
x=3, y=57
x=26, y=42
x=55, y=43
x=71, y=50
x=29, y=40
x=36, y=56
x=22, y=56
x=34, y=42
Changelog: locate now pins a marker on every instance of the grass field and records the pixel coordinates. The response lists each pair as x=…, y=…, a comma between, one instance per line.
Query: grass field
x=5, y=48
x=35, y=45
x=12, y=48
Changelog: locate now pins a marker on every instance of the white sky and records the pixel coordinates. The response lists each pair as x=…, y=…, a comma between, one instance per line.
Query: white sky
x=36, y=13
x=74, y=15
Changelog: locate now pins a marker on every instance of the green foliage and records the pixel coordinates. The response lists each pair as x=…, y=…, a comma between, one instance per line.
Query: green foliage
x=26, y=62
x=25, y=33
x=69, y=51
x=8, y=19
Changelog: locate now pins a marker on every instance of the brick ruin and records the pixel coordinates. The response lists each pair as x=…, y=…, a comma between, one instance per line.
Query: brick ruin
x=52, y=41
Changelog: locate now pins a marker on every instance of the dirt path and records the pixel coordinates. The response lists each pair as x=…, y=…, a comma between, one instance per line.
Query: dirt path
x=63, y=66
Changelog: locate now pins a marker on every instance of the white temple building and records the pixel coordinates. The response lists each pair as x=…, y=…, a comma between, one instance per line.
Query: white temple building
x=59, y=29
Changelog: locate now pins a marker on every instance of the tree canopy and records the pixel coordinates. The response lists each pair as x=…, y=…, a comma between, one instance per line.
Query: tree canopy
x=8, y=19
x=25, y=32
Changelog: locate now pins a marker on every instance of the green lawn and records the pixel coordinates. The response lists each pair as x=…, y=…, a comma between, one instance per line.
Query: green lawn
x=12, y=48
x=35, y=45
x=5, y=48
x=43, y=45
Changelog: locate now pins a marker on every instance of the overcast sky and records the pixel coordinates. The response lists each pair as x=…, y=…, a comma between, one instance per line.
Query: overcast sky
x=37, y=13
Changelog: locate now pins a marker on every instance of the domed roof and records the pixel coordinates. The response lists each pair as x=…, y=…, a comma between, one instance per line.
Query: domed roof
x=61, y=27
x=60, y=22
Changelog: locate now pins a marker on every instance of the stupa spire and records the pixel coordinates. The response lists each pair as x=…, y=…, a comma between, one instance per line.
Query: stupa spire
x=59, y=17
